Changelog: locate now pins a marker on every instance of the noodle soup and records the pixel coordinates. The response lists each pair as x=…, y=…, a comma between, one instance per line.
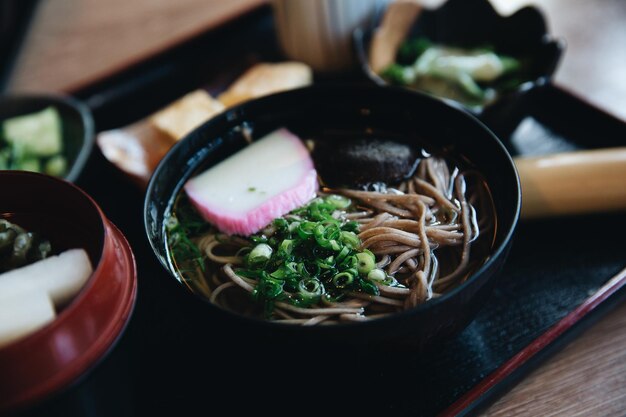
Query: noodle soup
x=388, y=238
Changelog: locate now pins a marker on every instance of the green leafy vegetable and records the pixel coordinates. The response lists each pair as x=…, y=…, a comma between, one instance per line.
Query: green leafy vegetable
x=18, y=247
x=180, y=225
x=411, y=49
x=469, y=75
x=396, y=74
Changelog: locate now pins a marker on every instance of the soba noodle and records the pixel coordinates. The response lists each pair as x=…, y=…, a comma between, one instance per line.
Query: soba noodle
x=428, y=234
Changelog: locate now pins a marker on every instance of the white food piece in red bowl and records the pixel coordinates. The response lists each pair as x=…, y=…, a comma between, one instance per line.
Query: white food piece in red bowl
x=62, y=312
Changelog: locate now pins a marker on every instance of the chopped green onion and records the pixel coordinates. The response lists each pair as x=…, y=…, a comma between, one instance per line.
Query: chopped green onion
x=171, y=223
x=351, y=226
x=349, y=262
x=325, y=234
x=345, y=251
x=352, y=271
x=302, y=271
x=291, y=267
x=279, y=274
x=310, y=289
x=306, y=229
x=350, y=239
x=269, y=287
x=366, y=262
x=286, y=247
x=260, y=254
x=377, y=275
x=369, y=288
x=316, y=213
x=343, y=279
x=327, y=263
x=293, y=226
x=338, y=201
x=280, y=223
x=311, y=253
x=182, y=224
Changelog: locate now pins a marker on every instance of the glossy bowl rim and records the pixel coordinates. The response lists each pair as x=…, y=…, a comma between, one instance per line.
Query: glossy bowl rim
x=495, y=255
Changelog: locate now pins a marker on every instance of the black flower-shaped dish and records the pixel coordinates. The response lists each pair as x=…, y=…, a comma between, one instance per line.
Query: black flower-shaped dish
x=471, y=24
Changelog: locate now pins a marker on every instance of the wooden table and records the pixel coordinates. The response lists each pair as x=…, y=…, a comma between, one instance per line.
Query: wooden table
x=74, y=42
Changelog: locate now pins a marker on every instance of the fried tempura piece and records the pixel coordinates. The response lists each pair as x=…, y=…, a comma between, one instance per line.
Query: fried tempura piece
x=185, y=114
x=267, y=78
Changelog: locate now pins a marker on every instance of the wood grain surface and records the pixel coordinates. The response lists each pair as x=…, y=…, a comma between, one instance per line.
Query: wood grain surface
x=587, y=378
x=73, y=42
x=594, y=63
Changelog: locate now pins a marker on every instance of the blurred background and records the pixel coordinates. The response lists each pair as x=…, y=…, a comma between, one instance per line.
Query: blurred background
x=68, y=44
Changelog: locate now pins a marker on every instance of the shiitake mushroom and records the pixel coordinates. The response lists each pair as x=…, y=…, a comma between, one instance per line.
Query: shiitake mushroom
x=361, y=162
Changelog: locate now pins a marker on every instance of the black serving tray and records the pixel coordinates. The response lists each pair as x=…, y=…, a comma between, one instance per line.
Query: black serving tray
x=553, y=286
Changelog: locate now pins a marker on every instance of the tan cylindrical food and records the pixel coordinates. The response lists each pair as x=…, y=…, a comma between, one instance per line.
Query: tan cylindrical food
x=573, y=182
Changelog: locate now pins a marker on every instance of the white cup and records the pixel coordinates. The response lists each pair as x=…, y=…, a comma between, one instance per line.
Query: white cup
x=319, y=32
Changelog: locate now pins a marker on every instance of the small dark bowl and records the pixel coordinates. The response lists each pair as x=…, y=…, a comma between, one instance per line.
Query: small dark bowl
x=77, y=124
x=472, y=23
x=345, y=112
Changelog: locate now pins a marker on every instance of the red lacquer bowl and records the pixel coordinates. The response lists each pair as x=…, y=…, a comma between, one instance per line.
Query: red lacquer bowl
x=53, y=357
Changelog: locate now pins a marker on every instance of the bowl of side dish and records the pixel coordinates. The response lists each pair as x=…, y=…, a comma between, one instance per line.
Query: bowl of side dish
x=335, y=228
x=463, y=50
x=49, y=134
x=67, y=286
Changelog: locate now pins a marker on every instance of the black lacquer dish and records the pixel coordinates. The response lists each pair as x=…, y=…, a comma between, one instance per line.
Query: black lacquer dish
x=475, y=23
x=351, y=112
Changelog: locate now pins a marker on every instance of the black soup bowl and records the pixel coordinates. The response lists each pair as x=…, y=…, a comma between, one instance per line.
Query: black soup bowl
x=344, y=112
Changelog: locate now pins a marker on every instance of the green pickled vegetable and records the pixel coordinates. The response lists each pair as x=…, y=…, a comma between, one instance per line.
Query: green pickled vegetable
x=37, y=134
x=30, y=164
x=33, y=142
x=56, y=166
